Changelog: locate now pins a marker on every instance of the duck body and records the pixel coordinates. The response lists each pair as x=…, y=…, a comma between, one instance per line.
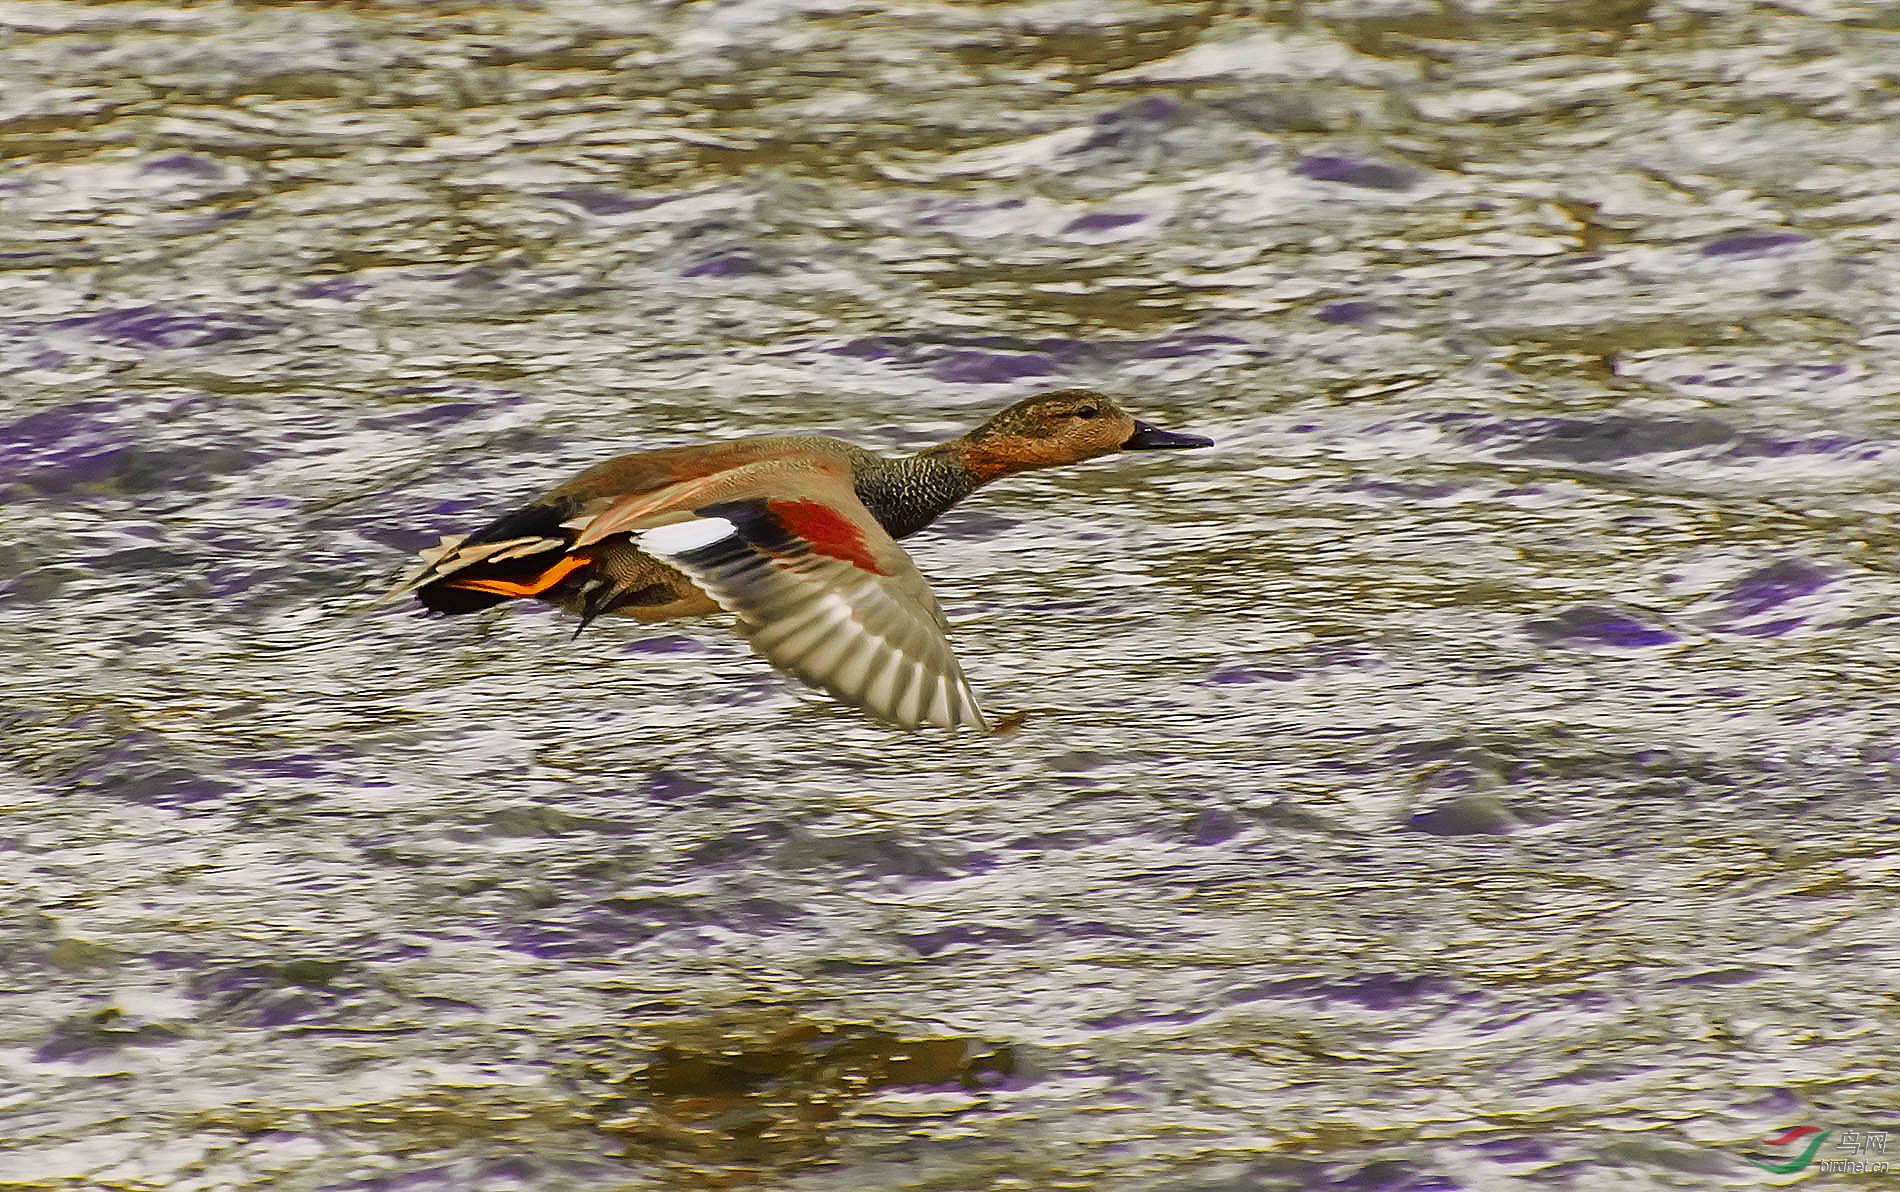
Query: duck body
x=796, y=534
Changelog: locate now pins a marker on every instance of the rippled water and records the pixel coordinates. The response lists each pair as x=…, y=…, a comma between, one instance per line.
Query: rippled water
x=1477, y=770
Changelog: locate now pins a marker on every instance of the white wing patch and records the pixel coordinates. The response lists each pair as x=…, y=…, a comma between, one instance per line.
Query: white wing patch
x=664, y=542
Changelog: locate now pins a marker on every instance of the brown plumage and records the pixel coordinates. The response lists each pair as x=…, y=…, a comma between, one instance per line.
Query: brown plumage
x=794, y=534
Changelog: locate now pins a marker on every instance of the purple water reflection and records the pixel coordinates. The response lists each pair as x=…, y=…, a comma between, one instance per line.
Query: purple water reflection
x=971, y=367
x=1349, y=313
x=152, y=327
x=602, y=202
x=337, y=289
x=37, y=433
x=189, y=164
x=1103, y=222
x=1395, y=1175
x=986, y=358
x=1516, y=1150
x=730, y=264
x=1597, y=440
x=1751, y=244
x=1601, y=625
x=1353, y=171
x=1774, y=585
x=1373, y=991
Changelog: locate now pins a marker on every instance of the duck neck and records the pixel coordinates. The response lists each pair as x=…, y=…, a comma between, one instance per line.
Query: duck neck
x=908, y=493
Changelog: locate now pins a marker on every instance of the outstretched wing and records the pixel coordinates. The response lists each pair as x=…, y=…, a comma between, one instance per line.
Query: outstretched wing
x=822, y=592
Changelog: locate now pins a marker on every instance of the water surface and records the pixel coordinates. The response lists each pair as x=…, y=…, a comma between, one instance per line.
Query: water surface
x=1479, y=769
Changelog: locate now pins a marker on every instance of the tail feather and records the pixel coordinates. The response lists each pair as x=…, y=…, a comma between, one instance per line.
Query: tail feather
x=534, y=553
x=512, y=583
x=453, y=601
x=524, y=553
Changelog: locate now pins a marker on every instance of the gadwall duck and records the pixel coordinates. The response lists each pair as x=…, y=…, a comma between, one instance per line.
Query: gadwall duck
x=795, y=534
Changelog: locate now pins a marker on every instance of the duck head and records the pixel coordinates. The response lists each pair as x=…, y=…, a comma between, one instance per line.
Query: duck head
x=1063, y=427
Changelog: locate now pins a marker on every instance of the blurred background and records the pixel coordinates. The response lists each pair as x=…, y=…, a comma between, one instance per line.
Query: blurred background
x=1478, y=769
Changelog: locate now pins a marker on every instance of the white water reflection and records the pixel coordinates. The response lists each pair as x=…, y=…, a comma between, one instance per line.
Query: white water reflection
x=1477, y=768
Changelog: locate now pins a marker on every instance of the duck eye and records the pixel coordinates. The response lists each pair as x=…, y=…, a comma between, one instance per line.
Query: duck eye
x=1087, y=412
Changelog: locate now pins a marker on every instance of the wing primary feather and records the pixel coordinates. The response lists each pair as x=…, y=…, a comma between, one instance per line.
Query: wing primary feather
x=850, y=669
x=796, y=650
x=812, y=609
x=972, y=711
x=887, y=671
x=911, y=701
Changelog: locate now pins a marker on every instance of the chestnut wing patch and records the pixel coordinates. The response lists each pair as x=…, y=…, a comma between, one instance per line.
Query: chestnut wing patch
x=829, y=532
